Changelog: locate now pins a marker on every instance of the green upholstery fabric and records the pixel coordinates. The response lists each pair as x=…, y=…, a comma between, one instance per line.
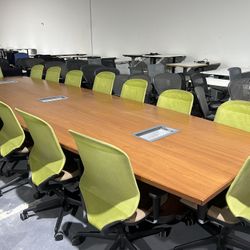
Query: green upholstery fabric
x=46, y=158
x=1, y=73
x=11, y=134
x=134, y=89
x=104, y=82
x=108, y=184
x=177, y=100
x=234, y=114
x=74, y=78
x=37, y=71
x=238, y=195
x=53, y=74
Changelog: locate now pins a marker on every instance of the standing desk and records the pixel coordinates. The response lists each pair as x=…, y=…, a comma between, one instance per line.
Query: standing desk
x=196, y=164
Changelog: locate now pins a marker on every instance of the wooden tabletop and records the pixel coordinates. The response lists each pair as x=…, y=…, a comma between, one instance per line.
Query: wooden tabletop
x=196, y=163
x=187, y=65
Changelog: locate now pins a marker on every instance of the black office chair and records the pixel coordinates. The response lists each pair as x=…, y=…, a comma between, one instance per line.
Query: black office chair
x=200, y=80
x=60, y=64
x=234, y=73
x=166, y=81
x=149, y=95
x=201, y=97
x=118, y=83
x=239, y=89
x=73, y=64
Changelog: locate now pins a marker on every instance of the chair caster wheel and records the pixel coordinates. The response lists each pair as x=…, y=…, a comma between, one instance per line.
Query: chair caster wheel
x=78, y=240
x=37, y=195
x=58, y=236
x=24, y=216
x=8, y=173
x=165, y=233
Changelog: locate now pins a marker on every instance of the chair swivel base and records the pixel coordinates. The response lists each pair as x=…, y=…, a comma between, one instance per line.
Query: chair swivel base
x=18, y=181
x=221, y=243
x=122, y=239
x=47, y=205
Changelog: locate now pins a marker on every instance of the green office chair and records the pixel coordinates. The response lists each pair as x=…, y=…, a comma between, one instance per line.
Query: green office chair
x=177, y=100
x=1, y=73
x=74, y=78
x=47, y=166
x=53, y=74
x=234, y=216
x=234, y=114
x=11, y=145
x=37, y=71
x=104, y=82
x=110, y=193
x=134, y=89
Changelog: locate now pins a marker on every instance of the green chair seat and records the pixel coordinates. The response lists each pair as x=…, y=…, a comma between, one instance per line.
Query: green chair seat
x=104, y=82
x=1, y=73
x=46, y=158
x=37, y=71
x=177, y=100
x=134, y=89
x=74, y=78
x=238, y=195
x=234, y=114
x=11, y=136
x=108, y=185
x=53, y=74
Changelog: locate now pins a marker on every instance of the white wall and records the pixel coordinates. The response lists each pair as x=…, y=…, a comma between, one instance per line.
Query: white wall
x=51, y=26
x=212, y=29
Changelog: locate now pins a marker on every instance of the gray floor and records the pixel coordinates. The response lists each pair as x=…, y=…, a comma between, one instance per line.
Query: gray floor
x=37, y=231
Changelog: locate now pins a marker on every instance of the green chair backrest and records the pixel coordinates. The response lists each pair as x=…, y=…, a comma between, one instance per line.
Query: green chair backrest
x=108, y=185
x=53, y=74
x=1, y=73
x=177, y=100
x=37, y=71
x=234, y=114
x=104, y=82
x=74, y=78
x=46, y=158
x=11, y=133
x=134, y=89
x=237, y=196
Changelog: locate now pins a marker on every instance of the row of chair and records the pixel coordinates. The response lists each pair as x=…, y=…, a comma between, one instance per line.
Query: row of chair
x=111, y=215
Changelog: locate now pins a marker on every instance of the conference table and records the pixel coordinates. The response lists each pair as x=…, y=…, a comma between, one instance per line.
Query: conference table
x=196, y=163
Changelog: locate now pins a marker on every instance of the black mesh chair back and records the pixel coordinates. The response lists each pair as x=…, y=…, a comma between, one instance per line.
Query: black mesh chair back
x=201, y=97
x=239, y=89
x=94, y=60
x=155, y=69
x=118, y=83
x=200, y=80
x=73, y=64
x=148, y=96
x=89, y=74
x=245, y=74
x=109, y=62
x=234, y=73
x=139, y=67
x=103, y=68
x=166, y=81
x=61, y=64
x=28, y=63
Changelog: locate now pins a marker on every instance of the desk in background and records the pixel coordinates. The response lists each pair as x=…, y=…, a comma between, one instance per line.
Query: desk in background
x=196, y=164
x=222, y=72
x=186, y=65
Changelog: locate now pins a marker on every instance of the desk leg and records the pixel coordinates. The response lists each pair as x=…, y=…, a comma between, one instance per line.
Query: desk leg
x=202, y=214
x=174, y=61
